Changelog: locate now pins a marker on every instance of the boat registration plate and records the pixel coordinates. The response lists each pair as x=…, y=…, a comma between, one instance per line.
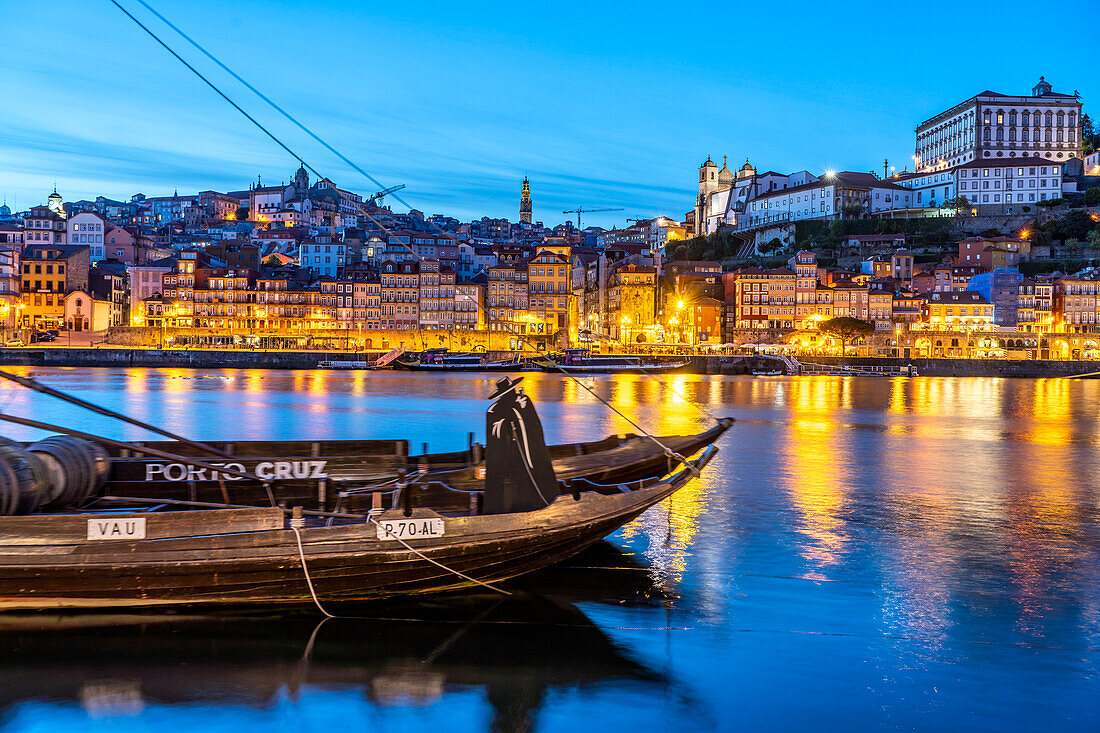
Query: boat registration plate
x=131, y=528
x=410, y=529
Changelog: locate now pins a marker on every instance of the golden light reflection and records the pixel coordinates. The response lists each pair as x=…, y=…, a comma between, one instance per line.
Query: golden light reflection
x=814, y=462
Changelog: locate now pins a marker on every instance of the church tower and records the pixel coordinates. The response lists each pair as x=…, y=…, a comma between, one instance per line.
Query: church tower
x=301, y=180
x=55, y=204
x=525, y=202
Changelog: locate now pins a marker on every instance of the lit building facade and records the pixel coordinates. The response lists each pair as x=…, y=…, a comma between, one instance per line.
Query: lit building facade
x=992, y=126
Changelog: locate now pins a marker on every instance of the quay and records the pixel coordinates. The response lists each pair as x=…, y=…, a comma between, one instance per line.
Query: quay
x=700, y=364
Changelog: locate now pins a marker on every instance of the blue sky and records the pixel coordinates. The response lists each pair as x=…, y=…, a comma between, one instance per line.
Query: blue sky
x=600, y=104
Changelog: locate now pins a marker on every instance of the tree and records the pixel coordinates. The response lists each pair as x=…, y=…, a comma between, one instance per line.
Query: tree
x=1094, y=239
x=772, y=246
x=846, y=329
x=273, y=261
x=1092, y=196
x=851, y=211
x=960, y=205
x=1075, y=224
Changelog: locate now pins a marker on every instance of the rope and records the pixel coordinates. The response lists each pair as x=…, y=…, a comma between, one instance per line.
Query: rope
x=422, y=556
x=305, y=570
x=669, y=453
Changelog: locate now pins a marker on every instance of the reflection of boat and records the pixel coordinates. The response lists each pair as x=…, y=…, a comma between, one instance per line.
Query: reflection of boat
x=770, y=373
x=582, y=361
x=441, y=360
x=522, y=518
x=515, y=649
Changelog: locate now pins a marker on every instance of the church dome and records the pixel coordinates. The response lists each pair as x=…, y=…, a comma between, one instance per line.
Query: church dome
x=708, y=163
x=4, y=210
x=747, y=167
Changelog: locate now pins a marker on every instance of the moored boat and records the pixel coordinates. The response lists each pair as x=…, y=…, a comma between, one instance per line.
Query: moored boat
x=118, y=552
x=441, y=360
x=582, y=361
x=318, y=475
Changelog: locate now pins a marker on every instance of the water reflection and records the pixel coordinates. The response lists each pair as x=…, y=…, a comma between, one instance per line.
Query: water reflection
x=514, y=651
x=955, y=521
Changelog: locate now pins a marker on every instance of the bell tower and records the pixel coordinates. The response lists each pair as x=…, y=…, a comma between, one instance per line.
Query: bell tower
x=525, y=202
x=301, y=180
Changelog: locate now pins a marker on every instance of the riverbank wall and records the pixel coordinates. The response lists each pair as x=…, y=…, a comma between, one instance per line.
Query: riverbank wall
x=242, y=359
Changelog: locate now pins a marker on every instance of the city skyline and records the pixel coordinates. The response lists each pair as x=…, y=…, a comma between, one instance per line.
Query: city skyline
x=594, y=117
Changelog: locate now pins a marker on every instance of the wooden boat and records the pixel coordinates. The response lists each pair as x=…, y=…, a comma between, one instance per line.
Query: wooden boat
x=346, y=365
x=441, y=360
x=242, y=556
x=582, y=361
x=320, y=471
x=523, y=517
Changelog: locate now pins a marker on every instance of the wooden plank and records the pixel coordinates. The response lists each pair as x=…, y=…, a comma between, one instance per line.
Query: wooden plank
x=65, y=529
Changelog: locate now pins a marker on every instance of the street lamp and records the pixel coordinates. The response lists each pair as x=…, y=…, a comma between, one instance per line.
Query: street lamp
x=625, y=323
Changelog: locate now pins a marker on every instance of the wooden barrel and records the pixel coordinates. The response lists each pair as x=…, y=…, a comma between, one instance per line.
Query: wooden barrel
x=24, y=485
x=76, y=469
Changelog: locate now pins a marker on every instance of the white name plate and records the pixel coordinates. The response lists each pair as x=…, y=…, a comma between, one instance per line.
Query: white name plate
x=131, y=528
x=410, y=529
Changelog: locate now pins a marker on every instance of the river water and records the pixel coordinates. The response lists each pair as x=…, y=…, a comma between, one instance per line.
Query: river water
x=863, y=553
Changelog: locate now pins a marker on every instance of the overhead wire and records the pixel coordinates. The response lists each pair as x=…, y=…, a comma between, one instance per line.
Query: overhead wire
x=521, y=339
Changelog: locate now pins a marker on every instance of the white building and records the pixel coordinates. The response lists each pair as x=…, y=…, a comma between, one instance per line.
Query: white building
x=88, y=228
x=1006, y=187
x=723, y=195
x=1092, y=164
x=834, y=196
x=931, y=189
x=989, y=125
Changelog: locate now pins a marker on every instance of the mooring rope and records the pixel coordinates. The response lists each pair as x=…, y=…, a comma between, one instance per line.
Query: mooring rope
x=422, y=556
x=313, y=592
x=305, y=569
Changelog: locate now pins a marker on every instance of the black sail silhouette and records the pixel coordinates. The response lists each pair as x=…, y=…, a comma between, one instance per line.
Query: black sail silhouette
x=519, y=476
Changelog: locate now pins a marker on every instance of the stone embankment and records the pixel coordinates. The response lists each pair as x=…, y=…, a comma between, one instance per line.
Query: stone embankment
x=240, y=359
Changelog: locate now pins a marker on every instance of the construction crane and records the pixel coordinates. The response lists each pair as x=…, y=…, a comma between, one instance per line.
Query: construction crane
x=581, y=210
x=376, y=199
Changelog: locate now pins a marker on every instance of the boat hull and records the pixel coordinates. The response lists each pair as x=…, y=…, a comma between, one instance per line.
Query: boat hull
x=615, y=369
x=246, y=557
x=412, y=366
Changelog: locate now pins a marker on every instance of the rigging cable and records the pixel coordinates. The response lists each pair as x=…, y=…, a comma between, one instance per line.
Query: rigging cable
x=667, y=451
x=267, y=99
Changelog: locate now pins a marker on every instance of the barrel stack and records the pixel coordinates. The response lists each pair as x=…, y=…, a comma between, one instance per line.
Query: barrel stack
x=59, y=471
